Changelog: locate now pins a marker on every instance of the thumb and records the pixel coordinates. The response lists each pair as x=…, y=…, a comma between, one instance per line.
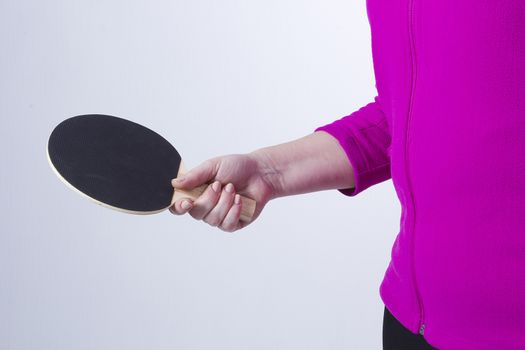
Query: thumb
x=197, y=176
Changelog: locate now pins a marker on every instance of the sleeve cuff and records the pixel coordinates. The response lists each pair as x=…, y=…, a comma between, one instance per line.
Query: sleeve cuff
x=363, y=177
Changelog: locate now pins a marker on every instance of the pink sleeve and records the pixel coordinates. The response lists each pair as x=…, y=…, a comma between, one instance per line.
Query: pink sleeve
x=364, y=136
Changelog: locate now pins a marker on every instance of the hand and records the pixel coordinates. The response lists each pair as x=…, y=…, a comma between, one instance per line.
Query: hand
x=228, y=177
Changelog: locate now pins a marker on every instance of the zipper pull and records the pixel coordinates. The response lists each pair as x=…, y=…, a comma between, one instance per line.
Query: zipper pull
x=422, y=329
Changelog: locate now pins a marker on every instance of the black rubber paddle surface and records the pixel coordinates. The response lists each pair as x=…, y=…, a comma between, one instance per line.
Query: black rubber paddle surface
x=115, y=161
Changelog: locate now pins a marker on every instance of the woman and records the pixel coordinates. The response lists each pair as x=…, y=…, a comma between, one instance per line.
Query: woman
x=448, y=127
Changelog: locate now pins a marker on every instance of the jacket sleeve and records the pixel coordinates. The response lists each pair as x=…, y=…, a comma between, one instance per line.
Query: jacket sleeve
x=365, y=137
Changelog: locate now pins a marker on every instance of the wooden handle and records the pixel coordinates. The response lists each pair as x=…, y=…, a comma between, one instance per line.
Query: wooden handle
x=247, y=204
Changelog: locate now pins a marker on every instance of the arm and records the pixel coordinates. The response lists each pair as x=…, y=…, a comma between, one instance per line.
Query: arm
x=311, y=163
x=349, y=154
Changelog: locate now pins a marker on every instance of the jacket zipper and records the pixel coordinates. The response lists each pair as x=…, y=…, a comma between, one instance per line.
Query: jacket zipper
x=421, y=325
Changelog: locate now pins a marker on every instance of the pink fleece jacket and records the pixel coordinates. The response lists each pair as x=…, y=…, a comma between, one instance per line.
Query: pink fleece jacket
x=448, y=127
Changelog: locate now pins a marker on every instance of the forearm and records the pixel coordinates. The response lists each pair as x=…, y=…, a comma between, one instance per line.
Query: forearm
x=311, y=163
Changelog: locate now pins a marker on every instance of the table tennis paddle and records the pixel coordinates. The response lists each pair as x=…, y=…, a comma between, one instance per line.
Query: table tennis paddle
x=121, y=164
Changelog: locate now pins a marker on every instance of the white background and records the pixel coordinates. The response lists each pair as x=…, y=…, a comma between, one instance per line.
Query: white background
x=213, y=77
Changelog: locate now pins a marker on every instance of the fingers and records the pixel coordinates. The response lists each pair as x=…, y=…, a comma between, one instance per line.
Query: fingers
x=206, y=201
x=215, y=206
x=215, y=216
x=231, y=221
x=196, y=176
x=181, y=206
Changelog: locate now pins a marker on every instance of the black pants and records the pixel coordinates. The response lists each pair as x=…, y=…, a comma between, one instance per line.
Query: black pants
x=397, y=337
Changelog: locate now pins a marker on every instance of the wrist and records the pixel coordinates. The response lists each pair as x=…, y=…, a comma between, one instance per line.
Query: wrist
x=269, y=171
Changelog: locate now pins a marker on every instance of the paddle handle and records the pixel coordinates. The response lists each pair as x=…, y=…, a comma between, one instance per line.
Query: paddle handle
x=247, y=204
